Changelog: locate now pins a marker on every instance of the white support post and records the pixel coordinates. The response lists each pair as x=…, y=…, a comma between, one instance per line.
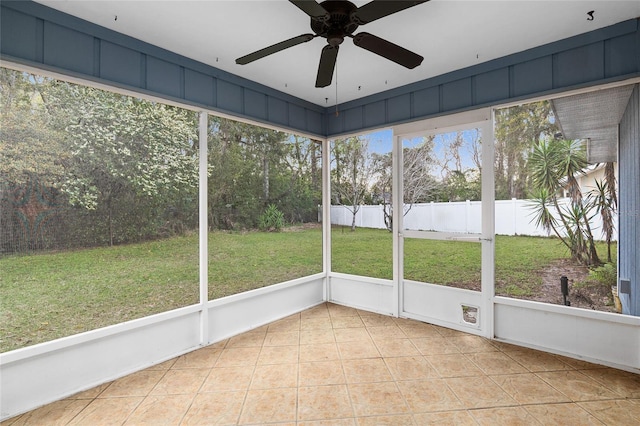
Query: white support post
x=326, y=217
x=488, y=228
x=203, y=226
x=397, y=216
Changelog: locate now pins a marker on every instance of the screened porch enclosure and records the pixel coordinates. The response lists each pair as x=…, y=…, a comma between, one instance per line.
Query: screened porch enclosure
x=463, y=101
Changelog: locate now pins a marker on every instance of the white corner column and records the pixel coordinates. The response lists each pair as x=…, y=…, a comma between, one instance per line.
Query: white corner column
x=203, y=225
x=488, y=226
x=326, y=218
x=397, y=201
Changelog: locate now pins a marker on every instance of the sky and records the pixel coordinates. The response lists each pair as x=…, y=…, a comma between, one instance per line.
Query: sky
x=380, y=142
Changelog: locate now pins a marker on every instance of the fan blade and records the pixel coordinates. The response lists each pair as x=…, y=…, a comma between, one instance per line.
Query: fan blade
x=327, y=64
x=275, y=48
x=388, y=50
x=377, y=9
x=311, y=8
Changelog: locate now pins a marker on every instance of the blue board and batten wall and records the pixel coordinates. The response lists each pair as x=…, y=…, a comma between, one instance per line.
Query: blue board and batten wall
x=35, y=35
x=629, y=206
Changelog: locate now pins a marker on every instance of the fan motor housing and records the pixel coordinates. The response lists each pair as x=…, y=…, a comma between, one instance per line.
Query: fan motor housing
x=339, y=23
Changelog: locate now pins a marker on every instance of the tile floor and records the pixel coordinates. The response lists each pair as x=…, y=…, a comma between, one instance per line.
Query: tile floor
x=333, y=365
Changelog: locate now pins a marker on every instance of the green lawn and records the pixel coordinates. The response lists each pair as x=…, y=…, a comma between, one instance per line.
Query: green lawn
x=51, y=295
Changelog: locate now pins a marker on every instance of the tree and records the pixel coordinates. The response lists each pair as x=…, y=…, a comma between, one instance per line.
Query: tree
x=124, y=150
x=352, y=174
x=254, y=167
x=517, y=130
x=418, y=181
x=604, y=200
x=554, y=166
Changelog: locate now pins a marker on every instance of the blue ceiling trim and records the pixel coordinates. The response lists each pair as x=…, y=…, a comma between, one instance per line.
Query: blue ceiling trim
x=156, y=65
x=35, y=35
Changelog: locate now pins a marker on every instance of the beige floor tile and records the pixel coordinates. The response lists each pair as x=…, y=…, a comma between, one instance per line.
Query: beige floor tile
x=419, y=330
x=577, y=386
x=285, y=325
x=624, y=383
x=278, y=355
x=448, y=332
x=377, y=370
x=222, y=379
x=479, y=392
x=351, y=335
x=222, y=343
x=562, y=414
x=536, y=361
x=249, y=339
x=161, y=410
x=220, y=408
x=323, y=403
x=578, y=364
x=511, y=416
x=164, y=365
x=435, y=346
x=371, y=399
x=176, y=382
x=341, y=311
x=377, y=321
x=315, y=323
x=201, y=358
x=529, y=389
x=470, y=344
x=429, y=395
x=453, y=365
x=449, y=418
x=346, y=322
x=309, y=337
x=107, y=411
x=399, y=420
x=319, y=311
x=495, y=363
x=91, y=393
x=285, y=338
x=614, y=412
x=411, y=368
x=396, y=347
x=357, y=350
x=321, y=373
x=275, y=376
x=366, y=370
x=136, y=384
x=318, y=352
x=379, y=334
x=332, y=422
x=231, y=357
x=57, y=413
x=269, y=406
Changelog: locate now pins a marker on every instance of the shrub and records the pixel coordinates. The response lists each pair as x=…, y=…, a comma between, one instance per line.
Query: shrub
x=272, y=219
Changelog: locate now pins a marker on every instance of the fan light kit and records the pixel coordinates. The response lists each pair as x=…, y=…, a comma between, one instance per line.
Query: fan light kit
x=337, y=19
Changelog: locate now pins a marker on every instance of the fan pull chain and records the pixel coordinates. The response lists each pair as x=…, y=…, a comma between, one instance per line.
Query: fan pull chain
x=337, y=112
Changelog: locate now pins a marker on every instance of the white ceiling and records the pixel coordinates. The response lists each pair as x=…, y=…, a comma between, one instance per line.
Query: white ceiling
x=450, y=34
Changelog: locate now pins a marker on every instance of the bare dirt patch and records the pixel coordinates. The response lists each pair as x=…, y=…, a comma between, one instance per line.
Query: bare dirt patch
x=583, y=293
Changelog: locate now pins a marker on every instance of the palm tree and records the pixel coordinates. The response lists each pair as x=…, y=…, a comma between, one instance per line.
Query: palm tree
x=554, y=165
x=605, y=201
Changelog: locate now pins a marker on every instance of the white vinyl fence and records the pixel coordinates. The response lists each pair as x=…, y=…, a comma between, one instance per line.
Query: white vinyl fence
x=513, y=217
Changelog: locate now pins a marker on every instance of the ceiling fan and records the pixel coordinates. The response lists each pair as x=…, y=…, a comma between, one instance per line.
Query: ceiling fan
x=337, y=19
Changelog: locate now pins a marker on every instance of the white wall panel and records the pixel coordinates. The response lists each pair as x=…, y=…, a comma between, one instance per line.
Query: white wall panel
x=599, y=337
x=369, y=294
x=40, y=374
x=440, y=305
x=232, y=315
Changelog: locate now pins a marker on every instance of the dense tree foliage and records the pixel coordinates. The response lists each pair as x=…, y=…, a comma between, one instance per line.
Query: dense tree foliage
x=80, y=166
